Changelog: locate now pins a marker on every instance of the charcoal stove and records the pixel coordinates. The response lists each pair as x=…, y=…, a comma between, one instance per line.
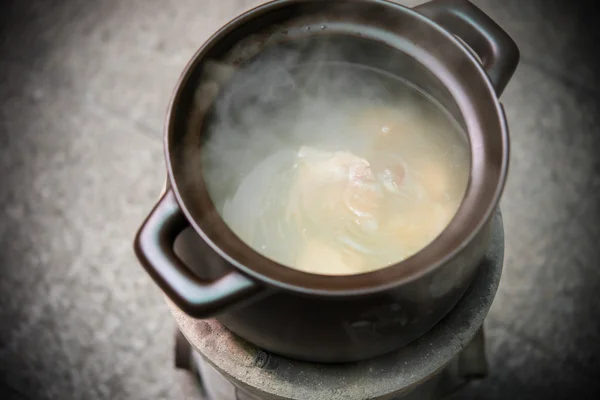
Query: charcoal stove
x=436, y=365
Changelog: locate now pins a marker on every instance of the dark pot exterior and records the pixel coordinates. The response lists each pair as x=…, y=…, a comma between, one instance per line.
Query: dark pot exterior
x=338, y=330
x=348, y=318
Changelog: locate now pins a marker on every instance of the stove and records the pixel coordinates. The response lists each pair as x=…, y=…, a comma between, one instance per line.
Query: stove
x=442, y=361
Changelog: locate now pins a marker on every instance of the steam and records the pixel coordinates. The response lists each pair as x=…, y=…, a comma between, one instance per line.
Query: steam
x=287, y=98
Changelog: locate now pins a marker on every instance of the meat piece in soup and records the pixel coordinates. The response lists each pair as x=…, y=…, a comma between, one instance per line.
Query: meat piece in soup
x=334, y=185
x=434, y=177
x=317, y=257
x=419, y=225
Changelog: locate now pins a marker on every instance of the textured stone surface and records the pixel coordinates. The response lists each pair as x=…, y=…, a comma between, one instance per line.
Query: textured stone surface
x=83, y=90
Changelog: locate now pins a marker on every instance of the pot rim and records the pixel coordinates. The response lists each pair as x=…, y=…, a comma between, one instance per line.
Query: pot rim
x=274, y=274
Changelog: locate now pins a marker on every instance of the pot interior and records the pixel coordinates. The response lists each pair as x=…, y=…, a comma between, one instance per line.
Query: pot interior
x=280, y=55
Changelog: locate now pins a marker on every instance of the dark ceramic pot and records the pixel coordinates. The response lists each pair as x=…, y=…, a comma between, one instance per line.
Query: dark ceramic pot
x=337, y=318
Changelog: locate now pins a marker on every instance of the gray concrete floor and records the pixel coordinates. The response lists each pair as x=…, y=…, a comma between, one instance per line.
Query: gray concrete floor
x=83, y=90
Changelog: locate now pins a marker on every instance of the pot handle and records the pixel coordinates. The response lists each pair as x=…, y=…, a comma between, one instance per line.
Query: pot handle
x=154, y=248
x=499, y=54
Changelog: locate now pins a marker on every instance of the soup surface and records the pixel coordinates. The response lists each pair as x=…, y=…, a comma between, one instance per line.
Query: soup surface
x=334, y=169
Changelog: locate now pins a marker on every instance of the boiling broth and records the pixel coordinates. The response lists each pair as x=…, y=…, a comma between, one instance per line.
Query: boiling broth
x=334, y=168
